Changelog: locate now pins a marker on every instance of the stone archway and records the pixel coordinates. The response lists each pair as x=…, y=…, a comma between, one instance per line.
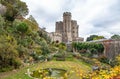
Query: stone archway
x=111, y=48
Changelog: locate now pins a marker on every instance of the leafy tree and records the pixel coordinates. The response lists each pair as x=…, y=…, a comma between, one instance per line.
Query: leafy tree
x=115, y=37
x=22, y=27
x=98, y=37
x=91, y=37
x=10, y=13
x=94, y=37
x=14, y=8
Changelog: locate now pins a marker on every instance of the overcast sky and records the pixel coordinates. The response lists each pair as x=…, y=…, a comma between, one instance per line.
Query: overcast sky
x=100, y=17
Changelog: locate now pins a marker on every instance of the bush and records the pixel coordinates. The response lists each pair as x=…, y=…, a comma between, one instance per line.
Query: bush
x=41, y=58
x=87, y=54
x=5, y=69
x=16, y=63
x=60, y=56
x=38, y=57
x=22, y=27
x=117, y=60
x=103, y=59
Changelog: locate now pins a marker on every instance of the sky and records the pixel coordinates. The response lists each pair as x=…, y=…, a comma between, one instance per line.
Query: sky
x=99, y=17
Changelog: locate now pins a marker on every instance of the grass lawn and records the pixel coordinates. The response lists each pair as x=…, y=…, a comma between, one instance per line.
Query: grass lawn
x=67, y=65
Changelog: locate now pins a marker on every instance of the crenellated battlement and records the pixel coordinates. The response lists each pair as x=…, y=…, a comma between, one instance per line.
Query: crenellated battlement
x=66, y=14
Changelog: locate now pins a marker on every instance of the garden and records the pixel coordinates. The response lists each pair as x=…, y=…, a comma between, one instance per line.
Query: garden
x=66, y=69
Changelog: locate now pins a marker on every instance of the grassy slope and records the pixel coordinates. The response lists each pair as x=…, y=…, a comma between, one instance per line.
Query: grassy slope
x=68, y=65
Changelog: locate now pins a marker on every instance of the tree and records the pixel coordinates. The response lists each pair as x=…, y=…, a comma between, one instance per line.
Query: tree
x=115, y=36
x=22, y=27
x=32, y=19
x=14, y=8
x=91, y=37
x=94, y=37
x=11, y=13
x=98, y=37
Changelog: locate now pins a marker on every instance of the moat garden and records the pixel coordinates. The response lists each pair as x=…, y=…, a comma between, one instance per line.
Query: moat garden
x=71, y=66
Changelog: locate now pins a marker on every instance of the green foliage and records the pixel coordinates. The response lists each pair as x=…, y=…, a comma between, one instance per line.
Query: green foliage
x=94, y=37
x=44, y=46
x=32, y=19
x=32, y=26
x=94, y=48
x=62, y=46
x=14, y=9
x=116, y=61
x=14, y=48
x=22, y=27
x=2, y=22
x=20, y=38
x=98, y=37
x=103, y=59
x=8, y=53
x=11, y=13
x=115, y=37
x=44, y=35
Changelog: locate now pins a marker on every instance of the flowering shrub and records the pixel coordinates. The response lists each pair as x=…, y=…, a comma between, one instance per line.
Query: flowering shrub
x=102, y=74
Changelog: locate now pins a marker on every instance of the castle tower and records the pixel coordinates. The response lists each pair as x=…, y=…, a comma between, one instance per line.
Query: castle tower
x=59, y=27
x=68, y=29
x=67, y=37
x=74, y=29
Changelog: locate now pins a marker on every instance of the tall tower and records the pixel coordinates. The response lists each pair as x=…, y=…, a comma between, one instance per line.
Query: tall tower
x=67, y=37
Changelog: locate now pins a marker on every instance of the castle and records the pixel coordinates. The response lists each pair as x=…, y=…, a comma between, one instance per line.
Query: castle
x=67, y=30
